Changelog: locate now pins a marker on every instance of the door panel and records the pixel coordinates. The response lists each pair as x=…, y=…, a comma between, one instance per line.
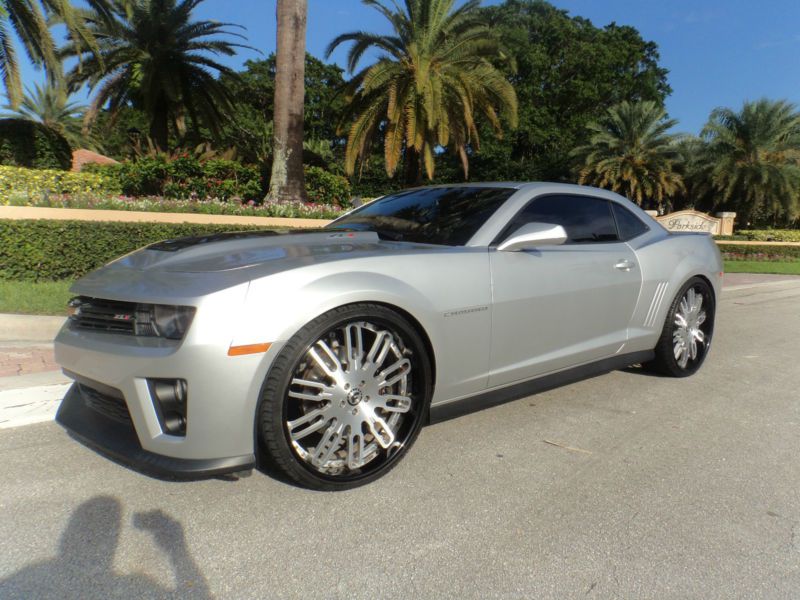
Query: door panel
x=559, y=306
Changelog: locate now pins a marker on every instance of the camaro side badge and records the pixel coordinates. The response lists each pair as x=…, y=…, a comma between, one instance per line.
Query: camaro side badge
x=465, y=311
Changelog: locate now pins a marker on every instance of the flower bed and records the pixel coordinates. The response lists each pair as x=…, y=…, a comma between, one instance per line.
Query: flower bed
x=166, y=205
x=22, y=186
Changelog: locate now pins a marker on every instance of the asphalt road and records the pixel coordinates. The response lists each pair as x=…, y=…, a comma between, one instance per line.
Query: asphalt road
x=669, y=489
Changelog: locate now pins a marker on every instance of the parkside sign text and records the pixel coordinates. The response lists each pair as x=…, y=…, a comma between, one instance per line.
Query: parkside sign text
x=691, y=220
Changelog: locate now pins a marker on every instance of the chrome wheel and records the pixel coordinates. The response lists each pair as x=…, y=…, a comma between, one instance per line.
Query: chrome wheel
x=688, y=328
x=688, y=337
x=349, y=400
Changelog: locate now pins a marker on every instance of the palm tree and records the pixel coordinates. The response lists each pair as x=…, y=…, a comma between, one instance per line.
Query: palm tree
x=753, y=159
x=50, y=105
x=433, y=79
x=630, y=152
x=29, y=20
x=691, y=164
x=153, y=55
x=287, y=181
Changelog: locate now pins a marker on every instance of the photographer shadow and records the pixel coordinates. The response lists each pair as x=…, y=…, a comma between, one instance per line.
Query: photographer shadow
x=84, y=566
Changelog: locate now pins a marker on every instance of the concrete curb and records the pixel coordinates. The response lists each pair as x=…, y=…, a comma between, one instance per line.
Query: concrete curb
x=29, y=328
x=132, y=216
x=760, y=284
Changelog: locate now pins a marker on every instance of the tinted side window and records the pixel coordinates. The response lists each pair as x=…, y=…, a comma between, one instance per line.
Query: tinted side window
x=585, y=219
x=628, y=224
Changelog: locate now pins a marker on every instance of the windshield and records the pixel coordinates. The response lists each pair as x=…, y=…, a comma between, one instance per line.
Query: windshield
x=440, y=215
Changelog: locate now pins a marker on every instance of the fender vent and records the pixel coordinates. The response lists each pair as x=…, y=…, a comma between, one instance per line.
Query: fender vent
x=658, y=298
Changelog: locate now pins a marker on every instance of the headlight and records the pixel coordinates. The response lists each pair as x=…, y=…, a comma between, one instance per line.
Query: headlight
x=163, y=320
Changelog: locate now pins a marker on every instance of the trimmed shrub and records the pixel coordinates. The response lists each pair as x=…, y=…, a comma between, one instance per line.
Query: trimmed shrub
x=28, y=144
x=756, y=252
x=41, y=250
x=324, y=187
x=185, y=177
x=770, y=235
x=21, y=186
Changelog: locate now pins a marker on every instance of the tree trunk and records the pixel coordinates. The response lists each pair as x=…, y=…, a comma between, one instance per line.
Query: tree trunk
x=159, y=126
x=412, y=167
x=287, y=183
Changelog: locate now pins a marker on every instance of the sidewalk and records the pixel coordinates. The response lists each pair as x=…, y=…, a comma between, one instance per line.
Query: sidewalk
x=32, y=385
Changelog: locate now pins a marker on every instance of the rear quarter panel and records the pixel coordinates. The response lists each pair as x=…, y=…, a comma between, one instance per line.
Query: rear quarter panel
x=667, y=261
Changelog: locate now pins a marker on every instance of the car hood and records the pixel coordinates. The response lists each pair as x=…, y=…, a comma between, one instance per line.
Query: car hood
x=234, y=251
x=187, y=268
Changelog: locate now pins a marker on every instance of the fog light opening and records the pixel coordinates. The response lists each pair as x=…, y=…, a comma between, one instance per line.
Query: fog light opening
x=169, y=398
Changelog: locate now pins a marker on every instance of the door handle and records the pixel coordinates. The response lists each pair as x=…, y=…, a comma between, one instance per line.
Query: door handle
x=625, y=265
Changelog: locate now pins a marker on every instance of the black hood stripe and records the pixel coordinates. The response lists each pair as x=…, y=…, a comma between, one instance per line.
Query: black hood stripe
x=197, y=240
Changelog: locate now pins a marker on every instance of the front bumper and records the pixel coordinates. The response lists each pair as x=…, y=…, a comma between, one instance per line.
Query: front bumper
x=222, y=400
x=120, y=442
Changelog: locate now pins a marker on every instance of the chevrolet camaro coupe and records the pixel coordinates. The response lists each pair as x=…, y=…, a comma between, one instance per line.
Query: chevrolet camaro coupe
x=322, y=353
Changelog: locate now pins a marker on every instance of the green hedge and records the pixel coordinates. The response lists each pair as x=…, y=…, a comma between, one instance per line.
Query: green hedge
x=41, y=250
x=323, y=187
x=771, y=235
x=23, y=186
x=757, y=252
x=764, y=235
x=29, y=144
x=185, y=177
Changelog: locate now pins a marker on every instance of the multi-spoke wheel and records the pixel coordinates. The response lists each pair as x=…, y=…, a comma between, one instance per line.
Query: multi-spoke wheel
x=346, y=397
x=686, y=337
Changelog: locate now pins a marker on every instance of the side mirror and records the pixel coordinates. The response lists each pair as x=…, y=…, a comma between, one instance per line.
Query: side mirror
x=533, y=235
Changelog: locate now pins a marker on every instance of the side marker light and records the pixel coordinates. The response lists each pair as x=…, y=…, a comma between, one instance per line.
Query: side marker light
x=248, y=349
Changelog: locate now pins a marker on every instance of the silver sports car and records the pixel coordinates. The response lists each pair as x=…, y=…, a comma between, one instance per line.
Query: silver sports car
x=322, y=353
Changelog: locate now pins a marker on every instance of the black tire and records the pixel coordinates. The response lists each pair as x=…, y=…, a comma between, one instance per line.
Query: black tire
x=665, y=361
x=298, y=460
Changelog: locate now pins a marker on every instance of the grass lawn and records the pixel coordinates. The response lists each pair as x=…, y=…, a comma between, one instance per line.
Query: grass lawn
x=763, y=266
x=43, y=298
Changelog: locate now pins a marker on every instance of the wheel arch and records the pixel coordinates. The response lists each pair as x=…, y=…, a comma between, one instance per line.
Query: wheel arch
x=709, y=282
x=421, y=331
x=389, y=301
x=404, y=312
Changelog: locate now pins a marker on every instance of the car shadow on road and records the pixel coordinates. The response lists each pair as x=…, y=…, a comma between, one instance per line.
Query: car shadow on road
x=84, y=566
x=640, y=370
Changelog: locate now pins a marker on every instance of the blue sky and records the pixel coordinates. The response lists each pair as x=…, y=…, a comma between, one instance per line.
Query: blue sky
x=718, y=52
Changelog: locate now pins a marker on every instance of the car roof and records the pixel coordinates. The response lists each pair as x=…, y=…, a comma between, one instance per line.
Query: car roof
x=527, y=186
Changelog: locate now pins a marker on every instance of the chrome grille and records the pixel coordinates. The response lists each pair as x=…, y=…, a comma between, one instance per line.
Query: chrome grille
x=104, y=315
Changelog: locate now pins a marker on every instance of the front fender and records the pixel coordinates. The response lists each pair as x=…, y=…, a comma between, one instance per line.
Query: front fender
x=271, y=317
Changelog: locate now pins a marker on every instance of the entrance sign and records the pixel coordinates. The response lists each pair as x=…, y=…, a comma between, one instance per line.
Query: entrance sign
x=694, y=221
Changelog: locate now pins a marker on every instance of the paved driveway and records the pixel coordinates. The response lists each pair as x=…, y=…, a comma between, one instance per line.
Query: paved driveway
x=655, y=488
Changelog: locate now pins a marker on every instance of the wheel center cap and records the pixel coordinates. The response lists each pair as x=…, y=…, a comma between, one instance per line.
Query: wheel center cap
x=354, y=397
